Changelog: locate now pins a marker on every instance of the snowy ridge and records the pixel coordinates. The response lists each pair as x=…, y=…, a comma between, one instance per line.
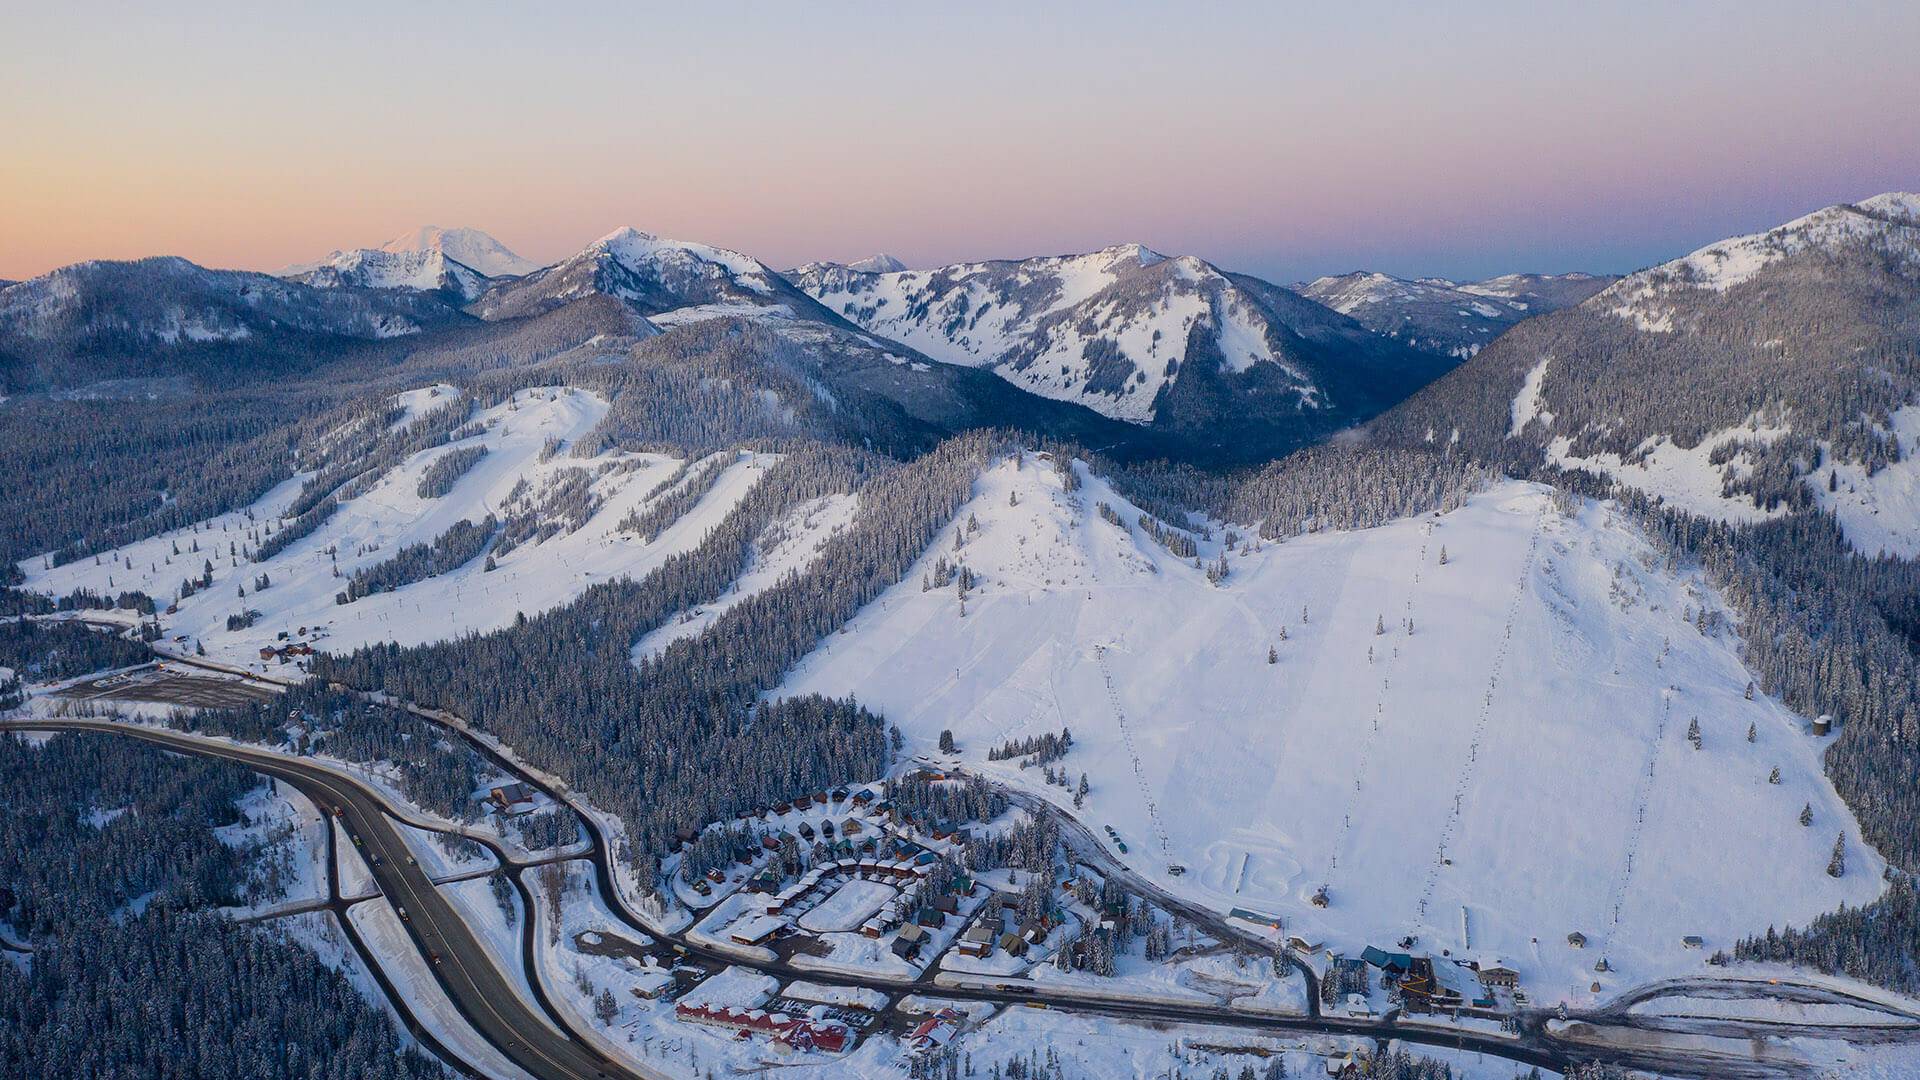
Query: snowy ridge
x=1444, y=316
x=370, y=527
x=1110, y=329
x=878, y=264
x=171, y=301
x=421, y=271
x=652, y=274
x=1539, y=668
x=1891, y=222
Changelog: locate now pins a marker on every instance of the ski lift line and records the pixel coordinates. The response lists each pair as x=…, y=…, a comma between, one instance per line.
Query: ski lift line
x=1126, y=737
x=1467, y=768
x=1379, y=713
x=1641, y=799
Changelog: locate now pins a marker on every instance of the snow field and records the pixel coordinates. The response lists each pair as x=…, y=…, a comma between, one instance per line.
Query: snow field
x=1518, y=716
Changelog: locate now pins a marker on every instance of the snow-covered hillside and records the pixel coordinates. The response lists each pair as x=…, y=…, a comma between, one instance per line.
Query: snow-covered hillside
x=1474, y=730
x=373, y=526
x=468, y=247
x=1114, y=330
x=1449, y=317
x=1890, y=222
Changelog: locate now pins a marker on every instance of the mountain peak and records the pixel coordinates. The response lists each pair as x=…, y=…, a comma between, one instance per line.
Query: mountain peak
x=881, y=263
x=466, y=246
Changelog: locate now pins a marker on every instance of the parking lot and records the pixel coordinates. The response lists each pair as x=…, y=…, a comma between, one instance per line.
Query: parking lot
x=168, y=686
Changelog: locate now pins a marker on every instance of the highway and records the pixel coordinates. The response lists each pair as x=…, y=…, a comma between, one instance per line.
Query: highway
x=486, y=996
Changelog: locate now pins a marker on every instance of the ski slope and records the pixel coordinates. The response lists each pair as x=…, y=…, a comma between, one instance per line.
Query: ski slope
x=370, y=528
x=787, y=546
x=1505, y=764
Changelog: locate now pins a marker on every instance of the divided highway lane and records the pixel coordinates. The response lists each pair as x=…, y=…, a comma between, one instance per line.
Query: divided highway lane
x=485, y=996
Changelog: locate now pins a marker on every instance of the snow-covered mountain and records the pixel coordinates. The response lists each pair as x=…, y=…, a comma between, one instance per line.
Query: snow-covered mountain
x=111, y=319
x=1756, y=376
x=423, y=271
x=1654, y=299
x=1446, y=316
x=654, y=276
x=468, y=247
x=1134, y=335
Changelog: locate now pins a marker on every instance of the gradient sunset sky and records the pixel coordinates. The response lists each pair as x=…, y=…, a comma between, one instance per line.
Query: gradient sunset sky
x=1283, y=140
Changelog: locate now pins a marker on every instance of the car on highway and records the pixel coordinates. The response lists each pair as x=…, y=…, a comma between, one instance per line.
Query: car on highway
x=402, y=913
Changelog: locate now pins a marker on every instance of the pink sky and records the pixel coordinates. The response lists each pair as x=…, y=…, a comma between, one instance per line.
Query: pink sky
x=1445, y=139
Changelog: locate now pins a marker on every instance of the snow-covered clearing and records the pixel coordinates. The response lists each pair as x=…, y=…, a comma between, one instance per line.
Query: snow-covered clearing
x=356, y=880
x=1766, y=1010
x=276, y=814
x=1686, y=478
x=1096, y=1046
x=850, y=905
x=1504, y=763
x=372, y=527
x=483, y=915
x=1880, y=513
x=431, y=852
x=1527, y=404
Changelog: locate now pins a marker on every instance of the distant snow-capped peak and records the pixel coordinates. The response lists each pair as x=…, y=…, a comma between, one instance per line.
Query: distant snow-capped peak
x=882, y=263
x=469, y=247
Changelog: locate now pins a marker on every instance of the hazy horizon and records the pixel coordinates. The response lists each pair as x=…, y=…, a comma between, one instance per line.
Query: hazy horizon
x=1279, y=142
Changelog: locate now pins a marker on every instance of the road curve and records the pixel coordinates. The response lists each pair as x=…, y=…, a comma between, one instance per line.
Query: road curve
x=484, y=995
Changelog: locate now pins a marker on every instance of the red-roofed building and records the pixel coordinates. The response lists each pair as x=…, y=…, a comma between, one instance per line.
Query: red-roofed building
x=798, y=1033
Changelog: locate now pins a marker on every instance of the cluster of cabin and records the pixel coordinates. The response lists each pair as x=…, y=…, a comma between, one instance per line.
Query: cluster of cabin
x=1000, y=927
x=285, y=653
x=780, y=1029
x=289, y=649
x=1422, y=984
